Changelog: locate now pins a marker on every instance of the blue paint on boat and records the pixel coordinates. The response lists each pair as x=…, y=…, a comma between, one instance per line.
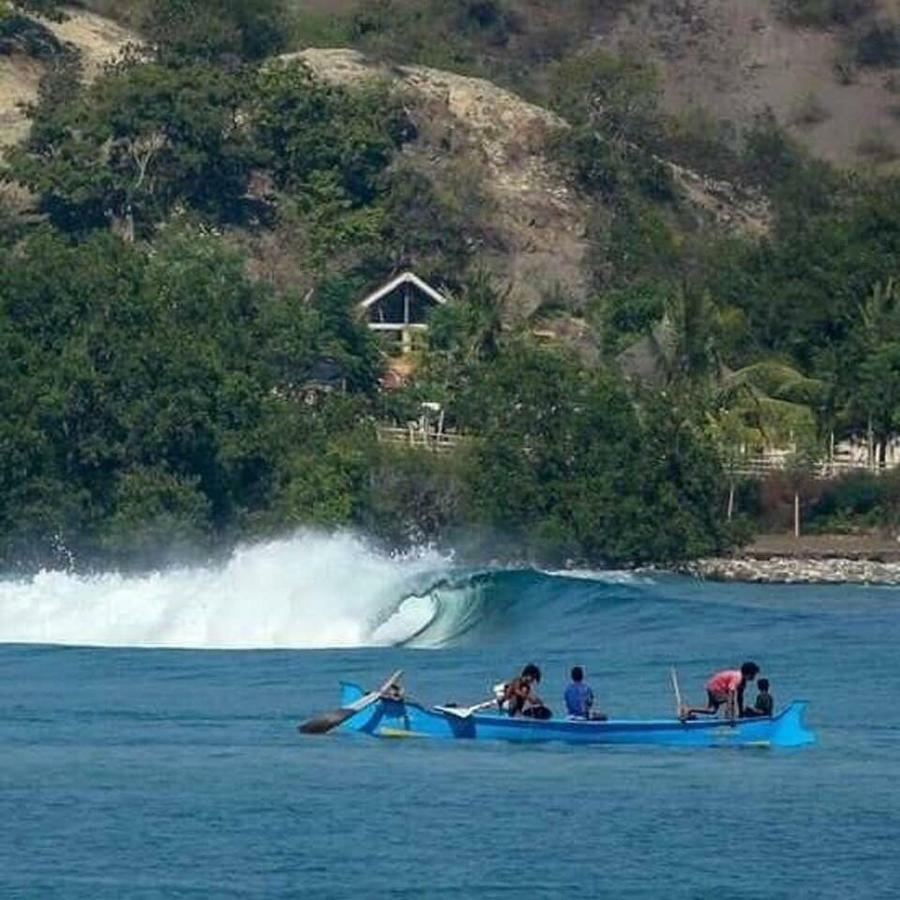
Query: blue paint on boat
x=393, y=718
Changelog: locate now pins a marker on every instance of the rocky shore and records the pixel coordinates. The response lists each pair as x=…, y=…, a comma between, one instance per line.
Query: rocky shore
x=810, y=559
x=796, y=570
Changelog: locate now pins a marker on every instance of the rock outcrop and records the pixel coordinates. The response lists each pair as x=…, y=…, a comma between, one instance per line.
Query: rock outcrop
x=540, y=223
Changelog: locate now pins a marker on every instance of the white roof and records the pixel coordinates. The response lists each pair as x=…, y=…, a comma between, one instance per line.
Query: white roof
x=394, y=283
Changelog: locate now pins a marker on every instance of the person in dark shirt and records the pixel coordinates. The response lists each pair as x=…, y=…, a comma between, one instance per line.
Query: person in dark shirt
x=764, y=703
x=520, y=697
x=580, y=698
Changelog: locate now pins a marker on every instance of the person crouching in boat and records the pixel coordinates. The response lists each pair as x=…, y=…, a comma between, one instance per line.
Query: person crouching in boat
x=725, y=688
x=520, y=698
x=764, y=704
x=580, y=698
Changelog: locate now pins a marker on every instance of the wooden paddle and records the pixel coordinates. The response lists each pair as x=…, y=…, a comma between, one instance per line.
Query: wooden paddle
x=679, y=703
x=325, y=722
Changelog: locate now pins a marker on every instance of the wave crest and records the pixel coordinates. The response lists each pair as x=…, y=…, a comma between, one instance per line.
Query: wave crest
x=303, y=592
x=306, y=591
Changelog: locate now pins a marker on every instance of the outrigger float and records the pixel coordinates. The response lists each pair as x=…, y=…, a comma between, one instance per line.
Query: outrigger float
x=386, y=713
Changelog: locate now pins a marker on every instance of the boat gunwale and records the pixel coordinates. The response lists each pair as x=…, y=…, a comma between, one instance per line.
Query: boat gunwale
x=610, y=724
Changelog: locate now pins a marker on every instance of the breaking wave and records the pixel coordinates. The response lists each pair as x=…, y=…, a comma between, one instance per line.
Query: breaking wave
x=306, y=591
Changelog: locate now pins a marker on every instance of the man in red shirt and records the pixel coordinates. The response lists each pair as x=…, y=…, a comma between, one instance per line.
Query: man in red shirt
x=725, y=687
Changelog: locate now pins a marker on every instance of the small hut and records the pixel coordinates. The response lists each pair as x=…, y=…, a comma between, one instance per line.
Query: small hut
x=399, y=310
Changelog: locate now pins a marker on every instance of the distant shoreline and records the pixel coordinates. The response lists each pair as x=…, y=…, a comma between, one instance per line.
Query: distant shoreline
x=812, y=559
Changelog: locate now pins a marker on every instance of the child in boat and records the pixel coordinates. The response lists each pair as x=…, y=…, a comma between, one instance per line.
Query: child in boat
x=764, y=703
x=725, y=688
x=580, y=698
x=519, y=697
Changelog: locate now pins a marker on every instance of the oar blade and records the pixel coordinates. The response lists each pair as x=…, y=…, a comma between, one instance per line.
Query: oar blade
x=325, y=722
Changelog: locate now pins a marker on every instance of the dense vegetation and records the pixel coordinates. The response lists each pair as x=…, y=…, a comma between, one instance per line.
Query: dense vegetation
x=208, y=219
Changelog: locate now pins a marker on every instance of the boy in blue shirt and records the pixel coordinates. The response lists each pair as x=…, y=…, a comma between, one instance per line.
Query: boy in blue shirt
x=580, y=698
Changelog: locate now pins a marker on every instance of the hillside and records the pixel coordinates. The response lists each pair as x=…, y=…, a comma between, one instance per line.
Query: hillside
x=827, y=69
x=96, y=39
x=721, y=61
x=537, y=223
x=206, y=215
x=535, y=226
x=731, y=59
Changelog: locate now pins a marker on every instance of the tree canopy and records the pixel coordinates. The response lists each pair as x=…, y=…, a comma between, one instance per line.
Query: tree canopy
x=205, y=219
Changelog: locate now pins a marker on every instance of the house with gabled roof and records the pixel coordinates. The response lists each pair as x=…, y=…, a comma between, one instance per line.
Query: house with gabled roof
x=398, y=311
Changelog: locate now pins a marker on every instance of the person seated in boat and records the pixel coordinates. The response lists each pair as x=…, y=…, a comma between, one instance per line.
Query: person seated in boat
x=764, y=703
x=520, y=697
x=725, y=688
x=580, y=698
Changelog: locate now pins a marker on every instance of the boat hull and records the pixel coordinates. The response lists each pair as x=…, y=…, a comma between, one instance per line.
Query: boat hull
x=404, y=719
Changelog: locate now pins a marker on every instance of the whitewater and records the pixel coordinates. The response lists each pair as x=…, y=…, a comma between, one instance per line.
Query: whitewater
x=305, y=591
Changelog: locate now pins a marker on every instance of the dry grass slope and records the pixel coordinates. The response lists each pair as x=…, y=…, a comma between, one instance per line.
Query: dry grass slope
x=97, y=39
x=734, y=58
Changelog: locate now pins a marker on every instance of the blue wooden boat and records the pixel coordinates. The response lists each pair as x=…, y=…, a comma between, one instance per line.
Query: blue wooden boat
x=402, y=718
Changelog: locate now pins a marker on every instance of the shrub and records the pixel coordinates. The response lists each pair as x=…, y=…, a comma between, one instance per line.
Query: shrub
x=809, y=111
x=21, y=34
x=823, y=13
x=210, y=30
x=702, y=142
x=858, y=501
x=878, y=45
x=877, y=147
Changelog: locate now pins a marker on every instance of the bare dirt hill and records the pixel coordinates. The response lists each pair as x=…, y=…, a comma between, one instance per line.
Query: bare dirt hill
x=734, y=58
x=97, y=39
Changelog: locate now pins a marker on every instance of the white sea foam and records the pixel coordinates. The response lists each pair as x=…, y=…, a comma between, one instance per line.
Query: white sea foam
x=607, y=576
x=307, y=591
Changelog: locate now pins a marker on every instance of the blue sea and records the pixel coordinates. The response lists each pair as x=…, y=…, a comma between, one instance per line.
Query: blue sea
x=148, y=742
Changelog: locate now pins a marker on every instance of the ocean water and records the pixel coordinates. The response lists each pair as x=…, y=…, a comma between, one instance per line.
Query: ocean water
x=148, y=744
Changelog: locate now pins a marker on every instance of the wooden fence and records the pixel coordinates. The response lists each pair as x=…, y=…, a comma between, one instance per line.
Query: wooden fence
x=414, y=436
x=420, y=438
x=763, y=465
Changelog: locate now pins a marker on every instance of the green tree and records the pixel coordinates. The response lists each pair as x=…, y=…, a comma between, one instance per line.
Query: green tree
x=549, y=469
x=50, y=9
x=190, y=31
x=612, y=106
x=155, y=514
x=617, y=96
x=470, y=328
x=307, y=127
x=879, y=394
x=136, y=143
x=21, y=32
x=154, y=388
